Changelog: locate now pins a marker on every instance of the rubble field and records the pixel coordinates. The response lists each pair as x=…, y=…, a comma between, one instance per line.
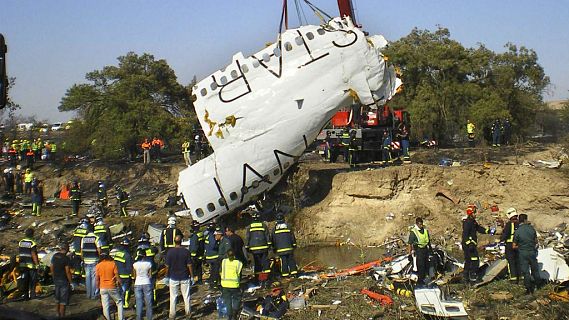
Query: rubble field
x=331, y=205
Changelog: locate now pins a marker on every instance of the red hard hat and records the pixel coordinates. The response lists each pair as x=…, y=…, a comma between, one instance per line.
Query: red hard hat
x=470, y=209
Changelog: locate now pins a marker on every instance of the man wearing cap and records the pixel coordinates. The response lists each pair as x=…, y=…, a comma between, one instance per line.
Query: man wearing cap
x=284, y=243
x=470, y=229
x=196, y=247
x=123, y=260
x=107, y=280
x=28, y=262
x=230, y=282
x=525, y=241
x=169, y=234
x=257, y=241
x=61, y=274
x=180, y=273
x=507, y=237
x=419, y=246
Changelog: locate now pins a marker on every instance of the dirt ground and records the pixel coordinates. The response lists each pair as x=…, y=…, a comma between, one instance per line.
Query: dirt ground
x=333, y=205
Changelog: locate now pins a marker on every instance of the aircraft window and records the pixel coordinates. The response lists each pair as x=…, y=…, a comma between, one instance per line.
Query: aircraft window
x=288, y=46
x=266, y=57
x=310, y=35
x=276, y=172
x=299, y=40
x=233, y=195
x=266, y=177
x=286, y=165
x=244, y=68
x=255, y=63
x=199, y=212
x=277, y=52
x=221, y=202
x=233, y=74
x=213, y=86
x=203, y=92
x=244, y=190
x=223, y=80
x=321, y=31
x=210, y=207
x=255, y=184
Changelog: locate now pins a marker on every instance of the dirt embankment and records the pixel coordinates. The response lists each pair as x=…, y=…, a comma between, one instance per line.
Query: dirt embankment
x=358, y=205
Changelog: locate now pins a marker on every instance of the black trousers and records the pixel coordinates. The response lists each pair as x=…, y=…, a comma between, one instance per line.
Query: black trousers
x=197, y=265
x=422, y=257
x=214, y=266
x=528, y=263
x=288, y=265
x=471, y=262
x=75, y=207
x=29, y=279
x=261, y=262
x=513, y=262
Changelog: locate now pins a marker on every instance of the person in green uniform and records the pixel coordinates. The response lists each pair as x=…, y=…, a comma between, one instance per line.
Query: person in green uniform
x=525, y=241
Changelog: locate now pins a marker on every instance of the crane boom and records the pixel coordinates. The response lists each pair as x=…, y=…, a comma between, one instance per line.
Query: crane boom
x=347, y=9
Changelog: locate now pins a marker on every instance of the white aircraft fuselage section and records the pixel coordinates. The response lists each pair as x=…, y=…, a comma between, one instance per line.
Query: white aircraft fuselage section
x=260, y=113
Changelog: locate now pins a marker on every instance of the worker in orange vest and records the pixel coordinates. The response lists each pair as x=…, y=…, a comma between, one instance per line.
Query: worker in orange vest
x=157, y=145
x=146, y=151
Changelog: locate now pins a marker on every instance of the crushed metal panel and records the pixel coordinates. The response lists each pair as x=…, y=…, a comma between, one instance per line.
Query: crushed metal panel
x=552, y=265
x=430, y=301
x=495, y=269
x=260, y=113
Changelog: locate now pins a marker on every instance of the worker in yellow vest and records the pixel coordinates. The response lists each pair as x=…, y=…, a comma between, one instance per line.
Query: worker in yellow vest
x=419, y=247
x=28, y=177
x=186, y=153
x=230, y=281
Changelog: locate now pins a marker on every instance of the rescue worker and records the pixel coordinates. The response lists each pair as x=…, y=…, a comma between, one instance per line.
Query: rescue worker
x=507, y=128
x=75, y=197
x=196, y=247
x=284, y=243
x=124, y=262
x=496, y=133
x=37, y=196
x=150, y=252
x=507, y=237
x=169, y=234
x=103, y=233
x=328, y=146
x=30, y=159
x=76, y=264
x=274, y=305
x=18, y=181
x=419, y=247
x=224, y=243
x=146, y=151
x=386, y=148
x=198, y=146
x=157, y=145
x=345, y=143
x=211, y=247
x=53, y=152
x=102, y=195
x=257, y=242
x=123, y=199
x=28, y=177
x=230, y=281
x=470, y=229
x=28, y=263
x=353, y=149
x=90, y=251
x=403, y=134
x=525, y=241
x=470, y=127
x=12, y=156
x=186, y=153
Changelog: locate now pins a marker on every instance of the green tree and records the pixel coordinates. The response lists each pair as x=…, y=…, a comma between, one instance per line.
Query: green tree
x=123, y=104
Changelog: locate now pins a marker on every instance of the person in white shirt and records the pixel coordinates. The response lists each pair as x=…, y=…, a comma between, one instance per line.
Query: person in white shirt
x=142, y=273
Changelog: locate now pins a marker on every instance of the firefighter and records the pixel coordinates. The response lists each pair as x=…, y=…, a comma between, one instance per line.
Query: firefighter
x=386, y=148
x=284, y=243
x=274, y=305
x=507, y=237
x=30, y=159
x=328, y=146
x=403, y=134
x=470, y=229
x=196, y=247
x=470, y=127
x=28, y=262
x=90, y=251
x=419, y=247
x=103, y=233
x=76, y=263
x=168, y=235
x=257, y=242
x=525, y=240
x=102, y=195
x=353, y=149
x=211, y=247
x=37, y=196
x=124, y=262
x=75, y=197
x=123, y=199
x=496, y=133
x=345, y=143
x=150, y=252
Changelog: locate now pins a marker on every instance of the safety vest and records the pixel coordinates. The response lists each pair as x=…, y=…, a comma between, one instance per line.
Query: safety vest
x=257, y=239
x=101, y=194
x=145, y=146
x=211, y=247
x=196, y=244
x=28, y=177
x=89, y=248
x=124, y=264
x=230, y=273
x=30, y=153
x=101, y=233
x=25, y=248
x=186, y=147
x=53, y=148
x=283, y=239
x=168, y=236
x=511, y=232
x=78, y=235
x=470, y=128
x=75, y=194
x=422, y=238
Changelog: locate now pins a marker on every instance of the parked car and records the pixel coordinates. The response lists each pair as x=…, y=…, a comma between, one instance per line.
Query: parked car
x=25, y=126
x=57, y=126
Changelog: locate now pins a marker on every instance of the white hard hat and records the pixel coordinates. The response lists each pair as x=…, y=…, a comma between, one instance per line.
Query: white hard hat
x=171, y=221
x=511, y=212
